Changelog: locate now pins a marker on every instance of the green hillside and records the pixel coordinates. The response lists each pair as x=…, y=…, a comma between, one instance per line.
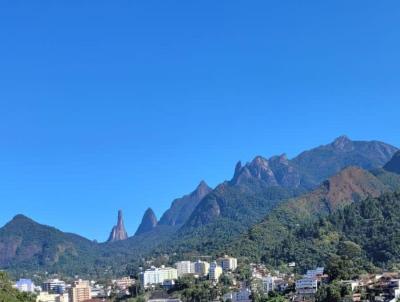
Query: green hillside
x=294, y=233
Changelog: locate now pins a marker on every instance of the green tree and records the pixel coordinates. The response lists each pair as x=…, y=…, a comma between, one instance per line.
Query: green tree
x=9, y=294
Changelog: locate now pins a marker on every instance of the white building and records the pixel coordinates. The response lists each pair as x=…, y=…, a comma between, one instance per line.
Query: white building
x=184, y=268
x=241, y=296
x=25, y=285
x=227, y=263
x=353, y=284
x=215, y=271
x=306, y=286
x=314, y=273
x=269, y=283
x=155, y=275
x=46, y=297
x=201, y=268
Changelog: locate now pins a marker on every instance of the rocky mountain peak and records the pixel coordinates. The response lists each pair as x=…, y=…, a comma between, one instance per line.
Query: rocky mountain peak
x=149, y=222
x=202, y=189
x=258, y=168
x=259, y=162
x=276, y=171
x=342, y=143
x=279, y=159
x=182, y=208
x=118, y=232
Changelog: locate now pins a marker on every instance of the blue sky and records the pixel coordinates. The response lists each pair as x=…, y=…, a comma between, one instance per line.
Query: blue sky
x=108, y=105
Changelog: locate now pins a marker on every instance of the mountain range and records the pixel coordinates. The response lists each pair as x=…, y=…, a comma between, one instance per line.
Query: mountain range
x=260, y=205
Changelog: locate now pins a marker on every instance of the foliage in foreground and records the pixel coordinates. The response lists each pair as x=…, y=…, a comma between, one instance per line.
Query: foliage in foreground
x=9, y=294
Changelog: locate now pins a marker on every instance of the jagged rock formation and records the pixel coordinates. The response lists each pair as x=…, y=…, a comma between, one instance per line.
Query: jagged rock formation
x=182, y=208
x=311, y=167
x=394, y=164
x=149, y=222
x=206, y=220
x=118, y=232
x=276, y=171
x=261, y=183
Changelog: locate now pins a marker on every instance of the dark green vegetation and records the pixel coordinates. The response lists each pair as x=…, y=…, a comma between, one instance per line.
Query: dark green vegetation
x=190, y=289
x=353, y=184
x=333, y=292
x=271, y=297
x=208, y=221
x=27, y=245
x=9, y=294
x=355, y=238
x=223, y=214
x=394, y=164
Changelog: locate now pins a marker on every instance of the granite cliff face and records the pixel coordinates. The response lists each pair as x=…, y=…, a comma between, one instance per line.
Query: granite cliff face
x=182, y=208
x=310, y=168
x=276, y=171
x=118, y=232
x=149, y=222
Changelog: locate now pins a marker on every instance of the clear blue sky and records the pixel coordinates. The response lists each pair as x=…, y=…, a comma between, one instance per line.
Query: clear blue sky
x=129, y=104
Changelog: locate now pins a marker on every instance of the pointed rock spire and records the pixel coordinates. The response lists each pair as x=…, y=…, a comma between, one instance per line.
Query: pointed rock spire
x=118, y=232
x=202, y=190
x=149, y=222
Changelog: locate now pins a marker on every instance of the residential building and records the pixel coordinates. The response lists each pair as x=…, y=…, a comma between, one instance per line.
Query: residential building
x=155, y=275
x=98, y=291
x=201, y=268
x=227, y=263
x=268, y=283
x=306, y=286
x=215, y=271
x=46, y=297
x=80, y=291
x=240, y=296
x=315, y=273
x=25, y=285
x=184, y=268
x=54, y=286
x=352, y=284
x=123, y=283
